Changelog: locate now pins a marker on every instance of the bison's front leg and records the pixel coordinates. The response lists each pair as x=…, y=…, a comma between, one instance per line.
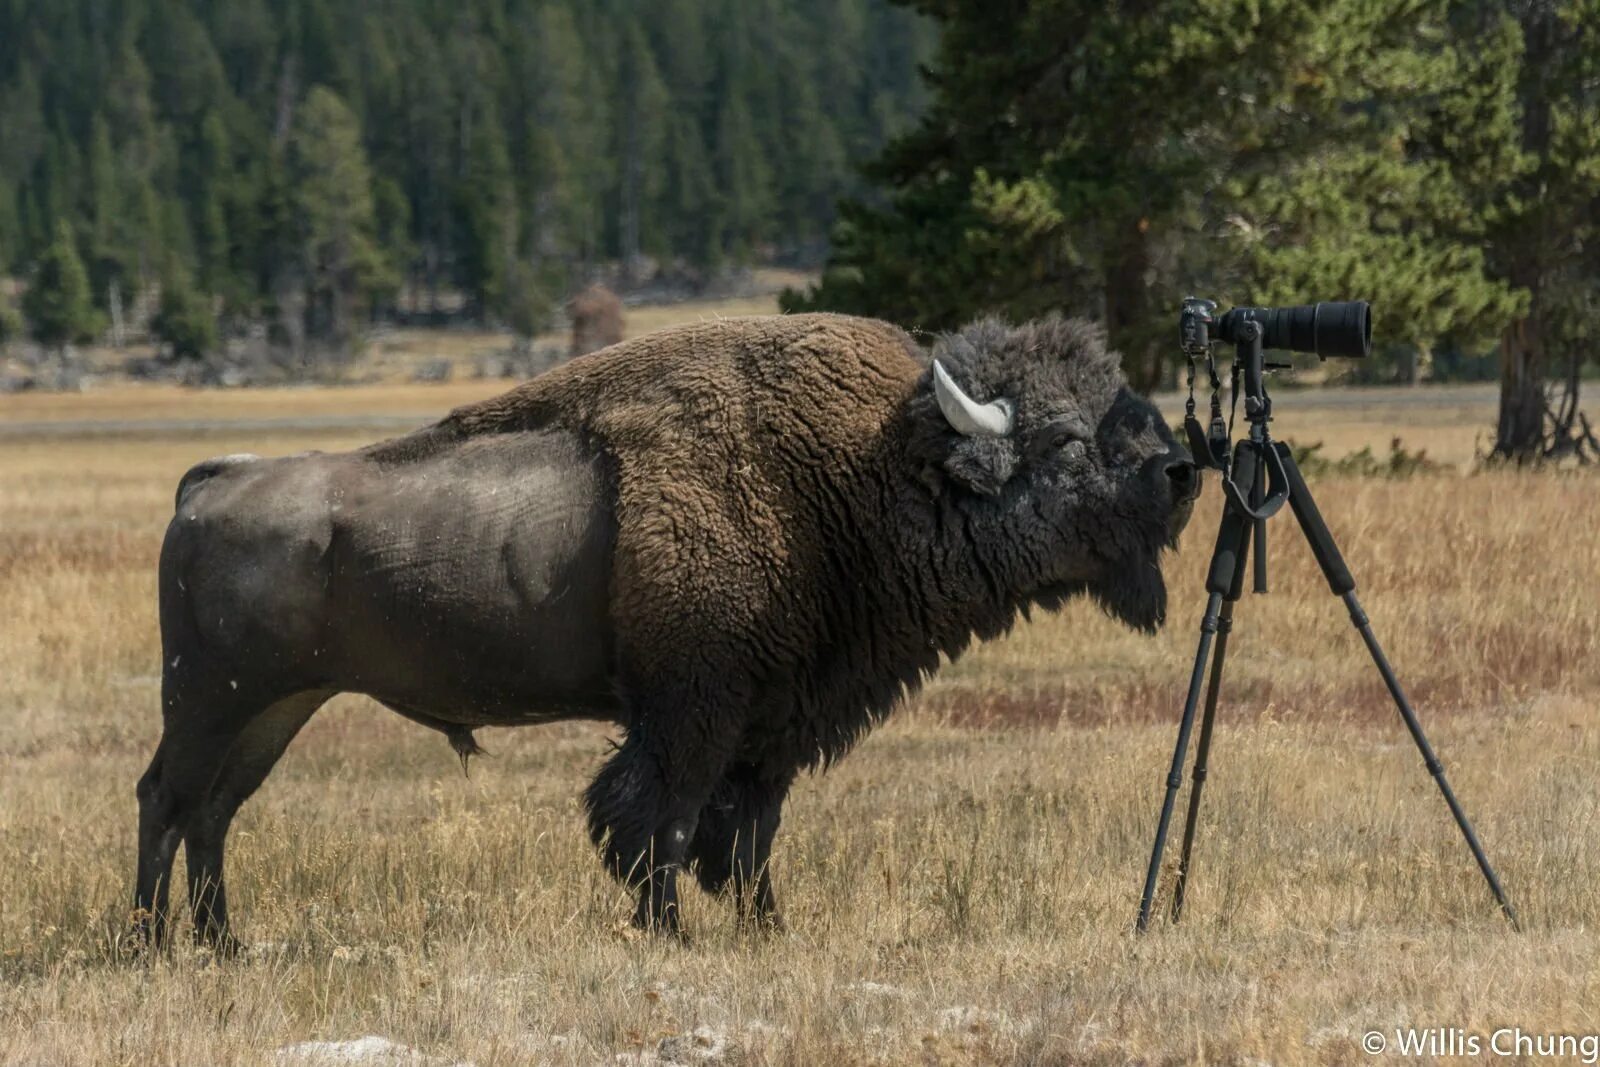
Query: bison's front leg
x=643, y=809
x=733, y=840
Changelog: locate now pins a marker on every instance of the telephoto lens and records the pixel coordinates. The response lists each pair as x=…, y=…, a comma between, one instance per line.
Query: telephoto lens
x=1326, y=329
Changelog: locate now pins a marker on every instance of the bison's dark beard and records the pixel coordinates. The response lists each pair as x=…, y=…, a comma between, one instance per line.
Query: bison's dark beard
x=1135, y=592
x=1129, y=584
x=1124, y=562
x=1134, y=589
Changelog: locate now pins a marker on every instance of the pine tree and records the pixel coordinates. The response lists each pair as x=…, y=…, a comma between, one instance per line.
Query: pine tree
x=134, y=232
x=487, y=200
x=1373, y=212
x=392, y=216
x=177, y=44
x=12, y=324
x=333, y=198
x=744, y=179
x=689, y=191
x=21, y=148
x=1523, y=140
x=681, y=43
x=569, y=139
x=1103, y=160
x=184, y=321
x=10, y=224
x=245, y=36
x=57, y=303
x=213, y=183
x=104, y=202
x=426, y=110
x=527, y=306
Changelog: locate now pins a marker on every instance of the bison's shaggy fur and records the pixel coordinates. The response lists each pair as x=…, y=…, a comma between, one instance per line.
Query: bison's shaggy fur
x=797, y=536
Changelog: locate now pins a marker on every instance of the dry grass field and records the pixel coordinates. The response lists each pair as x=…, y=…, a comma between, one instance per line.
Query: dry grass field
x=960, y=890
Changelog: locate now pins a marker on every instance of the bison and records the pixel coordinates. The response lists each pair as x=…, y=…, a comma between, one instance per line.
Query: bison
x=740, y=541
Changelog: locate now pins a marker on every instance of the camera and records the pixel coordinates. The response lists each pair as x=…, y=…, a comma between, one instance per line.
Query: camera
x=1326, y=329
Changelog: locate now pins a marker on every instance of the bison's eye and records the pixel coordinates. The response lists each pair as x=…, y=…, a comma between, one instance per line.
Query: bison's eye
x=1060, y=437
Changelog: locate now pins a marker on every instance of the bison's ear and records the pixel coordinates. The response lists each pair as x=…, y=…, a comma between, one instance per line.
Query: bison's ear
x=982, y=464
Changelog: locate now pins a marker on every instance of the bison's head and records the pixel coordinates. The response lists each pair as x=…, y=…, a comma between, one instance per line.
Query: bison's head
x=1068, y=481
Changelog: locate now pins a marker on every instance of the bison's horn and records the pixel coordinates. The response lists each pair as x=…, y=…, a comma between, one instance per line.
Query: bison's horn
x=965, y=414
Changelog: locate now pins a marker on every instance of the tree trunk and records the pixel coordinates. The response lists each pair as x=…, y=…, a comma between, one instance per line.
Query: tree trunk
x=632, y=183
x=1413, y=364
x=1520, y=434
x=288, y=93
x=1405, y=370
x=1127, y=304
x=114, y=302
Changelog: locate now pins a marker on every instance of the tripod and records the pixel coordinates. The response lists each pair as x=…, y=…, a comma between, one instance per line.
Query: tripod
x=1267, y=471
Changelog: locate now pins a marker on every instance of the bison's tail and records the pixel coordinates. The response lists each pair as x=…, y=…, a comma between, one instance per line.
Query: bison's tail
x=206, y=470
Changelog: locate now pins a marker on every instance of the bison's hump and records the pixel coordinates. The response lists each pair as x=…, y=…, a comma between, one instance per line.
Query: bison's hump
x=702, y=370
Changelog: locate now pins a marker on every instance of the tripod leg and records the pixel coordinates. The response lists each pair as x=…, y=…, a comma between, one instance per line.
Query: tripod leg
x=1208, y=629
x=1431, y=761
x=1343, y=586
x=1225, y=564
x=1202, y=753
x=1258, y=495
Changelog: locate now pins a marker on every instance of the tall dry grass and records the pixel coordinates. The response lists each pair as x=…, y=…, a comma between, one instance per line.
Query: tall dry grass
x=960, y=890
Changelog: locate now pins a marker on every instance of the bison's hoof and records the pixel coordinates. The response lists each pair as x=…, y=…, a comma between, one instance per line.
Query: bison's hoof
x=145, y=937
x=222, y=945
x=767, y=924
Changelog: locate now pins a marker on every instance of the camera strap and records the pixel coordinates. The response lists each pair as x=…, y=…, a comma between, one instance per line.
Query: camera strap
x=1221, y=436
x=1209, y=446
x=1191, y=425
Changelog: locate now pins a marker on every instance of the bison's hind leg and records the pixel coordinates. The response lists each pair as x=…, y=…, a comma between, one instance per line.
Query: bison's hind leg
x=732, y=845
x=199, y=726
x=202, y=719
x=159, y=832
x=251, y=758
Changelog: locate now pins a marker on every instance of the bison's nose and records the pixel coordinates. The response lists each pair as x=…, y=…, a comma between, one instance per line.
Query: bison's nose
x=1185, y=478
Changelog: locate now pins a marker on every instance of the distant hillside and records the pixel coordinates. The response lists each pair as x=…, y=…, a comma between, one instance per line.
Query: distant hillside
x=310, y=163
